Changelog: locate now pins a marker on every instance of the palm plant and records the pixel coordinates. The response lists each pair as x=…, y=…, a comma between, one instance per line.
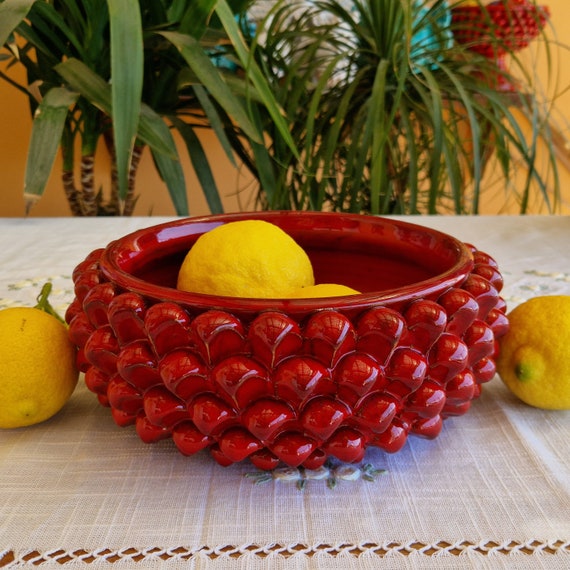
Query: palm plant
x=127, y=72
x=390, y=113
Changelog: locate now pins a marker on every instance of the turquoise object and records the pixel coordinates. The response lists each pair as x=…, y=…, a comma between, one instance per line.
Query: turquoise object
x=431, y=33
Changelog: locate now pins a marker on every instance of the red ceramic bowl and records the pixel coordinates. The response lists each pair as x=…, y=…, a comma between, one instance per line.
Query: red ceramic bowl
x=290, y=381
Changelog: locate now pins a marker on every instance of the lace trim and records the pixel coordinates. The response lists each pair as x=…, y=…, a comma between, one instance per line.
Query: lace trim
x=9, y=559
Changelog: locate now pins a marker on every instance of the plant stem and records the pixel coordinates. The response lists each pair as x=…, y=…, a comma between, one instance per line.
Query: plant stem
x=88, y=197
x=71, y=192
x=113, y=206
x=68, y=170
x=44, y=304
x=131, y=199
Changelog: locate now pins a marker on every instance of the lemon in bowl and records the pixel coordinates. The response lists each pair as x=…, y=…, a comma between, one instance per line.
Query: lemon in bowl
x=255, y=259
x=246, y=258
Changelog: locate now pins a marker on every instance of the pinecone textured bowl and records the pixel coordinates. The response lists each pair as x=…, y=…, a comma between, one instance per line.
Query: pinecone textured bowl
x=290, y=382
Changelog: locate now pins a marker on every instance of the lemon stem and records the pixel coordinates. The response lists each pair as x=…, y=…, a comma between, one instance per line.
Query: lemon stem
x=44, y=304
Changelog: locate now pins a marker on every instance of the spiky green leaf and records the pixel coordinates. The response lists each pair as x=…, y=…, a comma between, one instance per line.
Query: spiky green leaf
x=47, y=129
x=98, y=92
x=12, y=12
x=201, y=165
x=211, y=78
x=255, y=74
x=126, y=81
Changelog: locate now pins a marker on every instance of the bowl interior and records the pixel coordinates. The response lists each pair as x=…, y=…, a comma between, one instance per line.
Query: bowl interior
x=381, y=257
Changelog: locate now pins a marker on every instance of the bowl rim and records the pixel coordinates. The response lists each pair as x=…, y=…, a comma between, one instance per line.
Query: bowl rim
x=453, y=276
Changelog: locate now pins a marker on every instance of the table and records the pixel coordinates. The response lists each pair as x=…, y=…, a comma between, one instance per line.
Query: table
x=492, y=491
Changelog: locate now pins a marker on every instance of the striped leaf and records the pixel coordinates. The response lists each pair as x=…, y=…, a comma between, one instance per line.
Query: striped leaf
x=47, y=129
x=126, y=81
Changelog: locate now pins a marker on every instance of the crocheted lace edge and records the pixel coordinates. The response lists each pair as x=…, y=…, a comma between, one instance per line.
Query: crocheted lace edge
x=10, y=558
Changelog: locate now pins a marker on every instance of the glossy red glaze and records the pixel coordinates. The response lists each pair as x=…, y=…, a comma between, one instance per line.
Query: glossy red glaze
x=498, y=27
x=291, y=381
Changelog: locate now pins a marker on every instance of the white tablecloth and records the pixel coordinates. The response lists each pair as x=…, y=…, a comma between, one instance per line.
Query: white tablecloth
x=492, y=491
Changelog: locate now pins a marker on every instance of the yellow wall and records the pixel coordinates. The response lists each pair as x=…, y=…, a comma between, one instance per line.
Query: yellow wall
x=15, y=124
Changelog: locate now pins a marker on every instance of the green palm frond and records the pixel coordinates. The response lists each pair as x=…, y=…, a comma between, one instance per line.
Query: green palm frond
x=391, y=114
x=138, y=68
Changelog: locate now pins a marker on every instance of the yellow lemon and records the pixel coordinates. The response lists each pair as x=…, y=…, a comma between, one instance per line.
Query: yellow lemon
x=323, y=290
x=533, y=358
x=246, y=258
x=37, y=364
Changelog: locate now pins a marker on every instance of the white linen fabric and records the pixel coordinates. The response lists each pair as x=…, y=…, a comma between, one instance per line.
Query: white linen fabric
x=492, y=491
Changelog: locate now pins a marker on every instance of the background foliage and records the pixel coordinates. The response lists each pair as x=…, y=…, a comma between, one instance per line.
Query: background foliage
x=369, y=106
x=391, y=113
